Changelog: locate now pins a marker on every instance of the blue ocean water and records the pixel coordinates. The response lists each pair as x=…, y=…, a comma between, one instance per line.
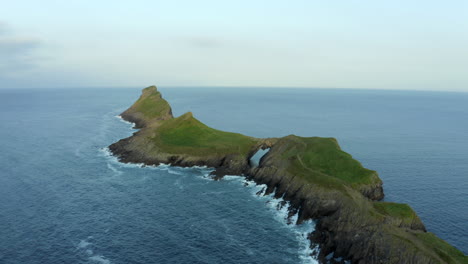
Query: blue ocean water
x=65, y=200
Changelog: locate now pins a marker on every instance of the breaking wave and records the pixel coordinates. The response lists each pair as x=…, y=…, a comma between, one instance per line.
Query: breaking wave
x=86, y=248
x=279, y=208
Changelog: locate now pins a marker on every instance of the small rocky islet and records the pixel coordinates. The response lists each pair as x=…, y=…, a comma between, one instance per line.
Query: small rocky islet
x=320, y=181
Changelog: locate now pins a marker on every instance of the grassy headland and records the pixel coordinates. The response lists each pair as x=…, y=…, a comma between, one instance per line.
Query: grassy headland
x=319, y=179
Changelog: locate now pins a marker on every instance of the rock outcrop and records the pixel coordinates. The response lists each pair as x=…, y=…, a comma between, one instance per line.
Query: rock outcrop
x=320, y=181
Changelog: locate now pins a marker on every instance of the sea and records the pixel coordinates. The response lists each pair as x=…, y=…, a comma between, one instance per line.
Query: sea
x=65, y=199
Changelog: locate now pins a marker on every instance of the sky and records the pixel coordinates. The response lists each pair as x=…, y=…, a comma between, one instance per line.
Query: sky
x=414, y=45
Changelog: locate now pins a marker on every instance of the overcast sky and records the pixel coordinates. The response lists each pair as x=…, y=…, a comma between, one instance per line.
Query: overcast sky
x=417, y=45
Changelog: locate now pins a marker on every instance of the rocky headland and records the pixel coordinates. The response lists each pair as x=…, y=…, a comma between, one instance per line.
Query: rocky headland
x=320, y=181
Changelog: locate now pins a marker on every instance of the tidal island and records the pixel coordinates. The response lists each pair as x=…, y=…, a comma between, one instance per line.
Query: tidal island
x=320, y=181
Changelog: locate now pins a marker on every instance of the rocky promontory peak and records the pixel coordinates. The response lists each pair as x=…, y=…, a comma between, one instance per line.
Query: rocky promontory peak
x=186, y=116
x=150, y=89
x=148, y=109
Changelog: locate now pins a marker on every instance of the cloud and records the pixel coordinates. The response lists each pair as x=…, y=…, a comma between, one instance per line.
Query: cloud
x=17, y=53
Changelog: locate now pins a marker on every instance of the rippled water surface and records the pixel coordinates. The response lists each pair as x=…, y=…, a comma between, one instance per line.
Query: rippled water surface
x=65, y=200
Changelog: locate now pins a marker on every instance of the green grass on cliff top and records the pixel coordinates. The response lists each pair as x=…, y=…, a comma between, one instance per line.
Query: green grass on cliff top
x=187, y=135
x=321, y=160
x=444, y=250
x=151, y=104
x=428, y=241
x=396, y=210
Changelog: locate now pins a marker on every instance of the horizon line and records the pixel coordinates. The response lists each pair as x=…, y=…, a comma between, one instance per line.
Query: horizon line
x=229, y=87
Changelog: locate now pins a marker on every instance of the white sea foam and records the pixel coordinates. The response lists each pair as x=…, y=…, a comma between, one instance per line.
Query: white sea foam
x=99, y=259
x=172, y=171
x=125, y=121
x=85, y=246
x=205, y=176
x=258, y=190
x=301, y=231
x=112, y=168
x=164, y=166
x=233, y=178
x=105, y=152
x=200, y=167
x=279, y=207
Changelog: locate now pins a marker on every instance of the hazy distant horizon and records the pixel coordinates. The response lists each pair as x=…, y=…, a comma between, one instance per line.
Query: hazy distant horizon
x=230, y=87
x=401, y=45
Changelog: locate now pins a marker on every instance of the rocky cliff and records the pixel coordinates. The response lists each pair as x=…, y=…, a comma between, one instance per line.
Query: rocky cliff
x=320, y=181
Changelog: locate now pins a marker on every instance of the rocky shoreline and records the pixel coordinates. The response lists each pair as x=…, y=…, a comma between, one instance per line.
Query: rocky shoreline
x=350, y=221
x=327, y=209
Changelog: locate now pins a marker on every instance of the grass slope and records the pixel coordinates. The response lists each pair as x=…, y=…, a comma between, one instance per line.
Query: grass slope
x=151, y=104
x=187, y=135
x=444, y=250
x=396, y=210
x=321, y=160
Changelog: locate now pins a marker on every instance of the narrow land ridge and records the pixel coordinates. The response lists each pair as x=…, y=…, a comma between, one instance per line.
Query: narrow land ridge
x=320, y=181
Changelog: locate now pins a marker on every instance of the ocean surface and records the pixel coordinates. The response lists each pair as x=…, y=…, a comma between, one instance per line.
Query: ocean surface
x=64, y=199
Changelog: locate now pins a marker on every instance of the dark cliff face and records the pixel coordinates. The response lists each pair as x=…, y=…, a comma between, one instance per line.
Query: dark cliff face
x=343, y=224
x=342, y=198
x=226, y=164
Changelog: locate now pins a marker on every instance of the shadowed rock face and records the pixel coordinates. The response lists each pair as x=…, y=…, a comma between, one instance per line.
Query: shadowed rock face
x=320, y=181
